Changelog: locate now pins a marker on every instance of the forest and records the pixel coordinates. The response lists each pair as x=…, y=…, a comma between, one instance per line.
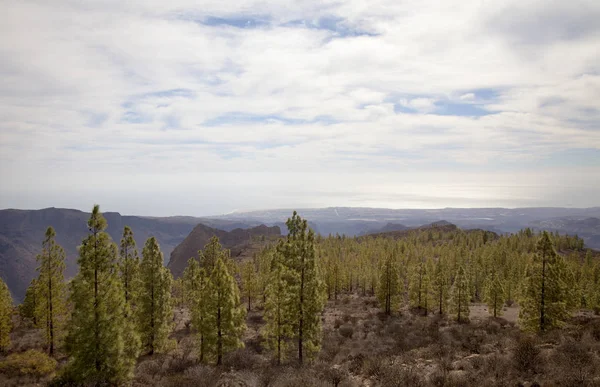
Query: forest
x=434, y=306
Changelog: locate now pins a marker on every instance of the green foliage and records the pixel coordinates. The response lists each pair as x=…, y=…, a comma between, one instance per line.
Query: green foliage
x=28, y=307
x=51, y=302
x=494, y=295
x=306, y=291
x=223, y=314
x=249, y=282
x=6, y=310
x=191, y=283
x=277, y=311
x=262, y=261
x=420, y=286
x=547, y=296
x=129, y=266
x=30, y=363
x=199, y=306
x=388, y=292
x=154, y=311
x=460, y=296
x=440, y=287
x=98, y=329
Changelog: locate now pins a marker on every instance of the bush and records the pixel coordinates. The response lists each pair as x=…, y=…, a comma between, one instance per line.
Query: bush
x=346, y=331
x=29, y=363
x=526, y=353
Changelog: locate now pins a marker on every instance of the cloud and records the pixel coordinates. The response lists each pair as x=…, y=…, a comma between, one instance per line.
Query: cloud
x=202, y=96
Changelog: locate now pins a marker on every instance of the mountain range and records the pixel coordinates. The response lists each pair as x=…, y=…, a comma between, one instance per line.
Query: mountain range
x=22, y=232
x=180, y=237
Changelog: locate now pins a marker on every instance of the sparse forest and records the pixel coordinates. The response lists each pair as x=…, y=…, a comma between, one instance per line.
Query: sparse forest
x=433, y=306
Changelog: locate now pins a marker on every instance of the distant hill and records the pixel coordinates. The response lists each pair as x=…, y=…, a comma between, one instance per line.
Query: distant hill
x=441, y=225
x=387, y=228
x=22, y=232
x=239, y=241
x=588, y=228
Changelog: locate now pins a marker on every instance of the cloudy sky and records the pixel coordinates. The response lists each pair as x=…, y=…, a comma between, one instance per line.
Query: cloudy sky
x=199, y=107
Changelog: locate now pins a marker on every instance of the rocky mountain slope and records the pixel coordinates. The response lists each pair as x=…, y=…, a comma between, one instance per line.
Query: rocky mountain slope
x=239, y=241
x=22, y=232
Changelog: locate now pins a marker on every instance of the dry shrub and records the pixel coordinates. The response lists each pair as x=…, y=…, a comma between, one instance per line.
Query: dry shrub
x=200, y=375
x=238, y=379
x=304, y=377
x=346, y=331
x=574, y=363
x=334, y=375
x=337, y=323
x=526, y=353
x=394, y=375
x=242, y=359
x=372, y=366
x=30, y=363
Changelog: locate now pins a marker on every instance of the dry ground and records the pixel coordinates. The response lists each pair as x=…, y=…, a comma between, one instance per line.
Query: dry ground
x=363, y=347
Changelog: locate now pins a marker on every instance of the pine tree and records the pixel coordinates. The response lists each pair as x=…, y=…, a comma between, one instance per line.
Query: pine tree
x=546, y=296
x=440, y=286
x=28, y=308
x=263, y=263
x=51, y=305
x=98, y=329
x=155, y=313
x=460, y=295
x=223, y=313
x=6, y=310
x=199, y=309
x=129, y=266
x=419, y=289
x=388, y=291
x=494, y=295
x=306, y=289
x=278, y=326
x=191, y=283
x=249, y=282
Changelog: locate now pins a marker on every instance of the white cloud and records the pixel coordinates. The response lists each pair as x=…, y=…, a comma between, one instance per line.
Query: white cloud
x=84, y=90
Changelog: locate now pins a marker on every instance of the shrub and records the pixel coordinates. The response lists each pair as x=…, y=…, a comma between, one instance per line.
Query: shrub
x=574, y=362
x=337, y=323
x=526, y=353
x=29, y=363
x=346, y=331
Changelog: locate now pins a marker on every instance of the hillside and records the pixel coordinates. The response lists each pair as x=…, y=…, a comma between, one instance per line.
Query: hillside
x=239, y=241
x=22, y=232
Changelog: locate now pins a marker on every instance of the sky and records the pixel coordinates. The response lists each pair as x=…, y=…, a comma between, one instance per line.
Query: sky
x=192, y=107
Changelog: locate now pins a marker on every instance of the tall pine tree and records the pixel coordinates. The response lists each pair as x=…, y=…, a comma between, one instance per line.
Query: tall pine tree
x=98, y=329
x=307, y=294
x=388, y=291
x=249, y=282
x=51, y=305
x=155, y=311
x=546, y=297
x=129, y=266
x=224, y=315
x=278, y=326
x=460, y=296
x=494, y=295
